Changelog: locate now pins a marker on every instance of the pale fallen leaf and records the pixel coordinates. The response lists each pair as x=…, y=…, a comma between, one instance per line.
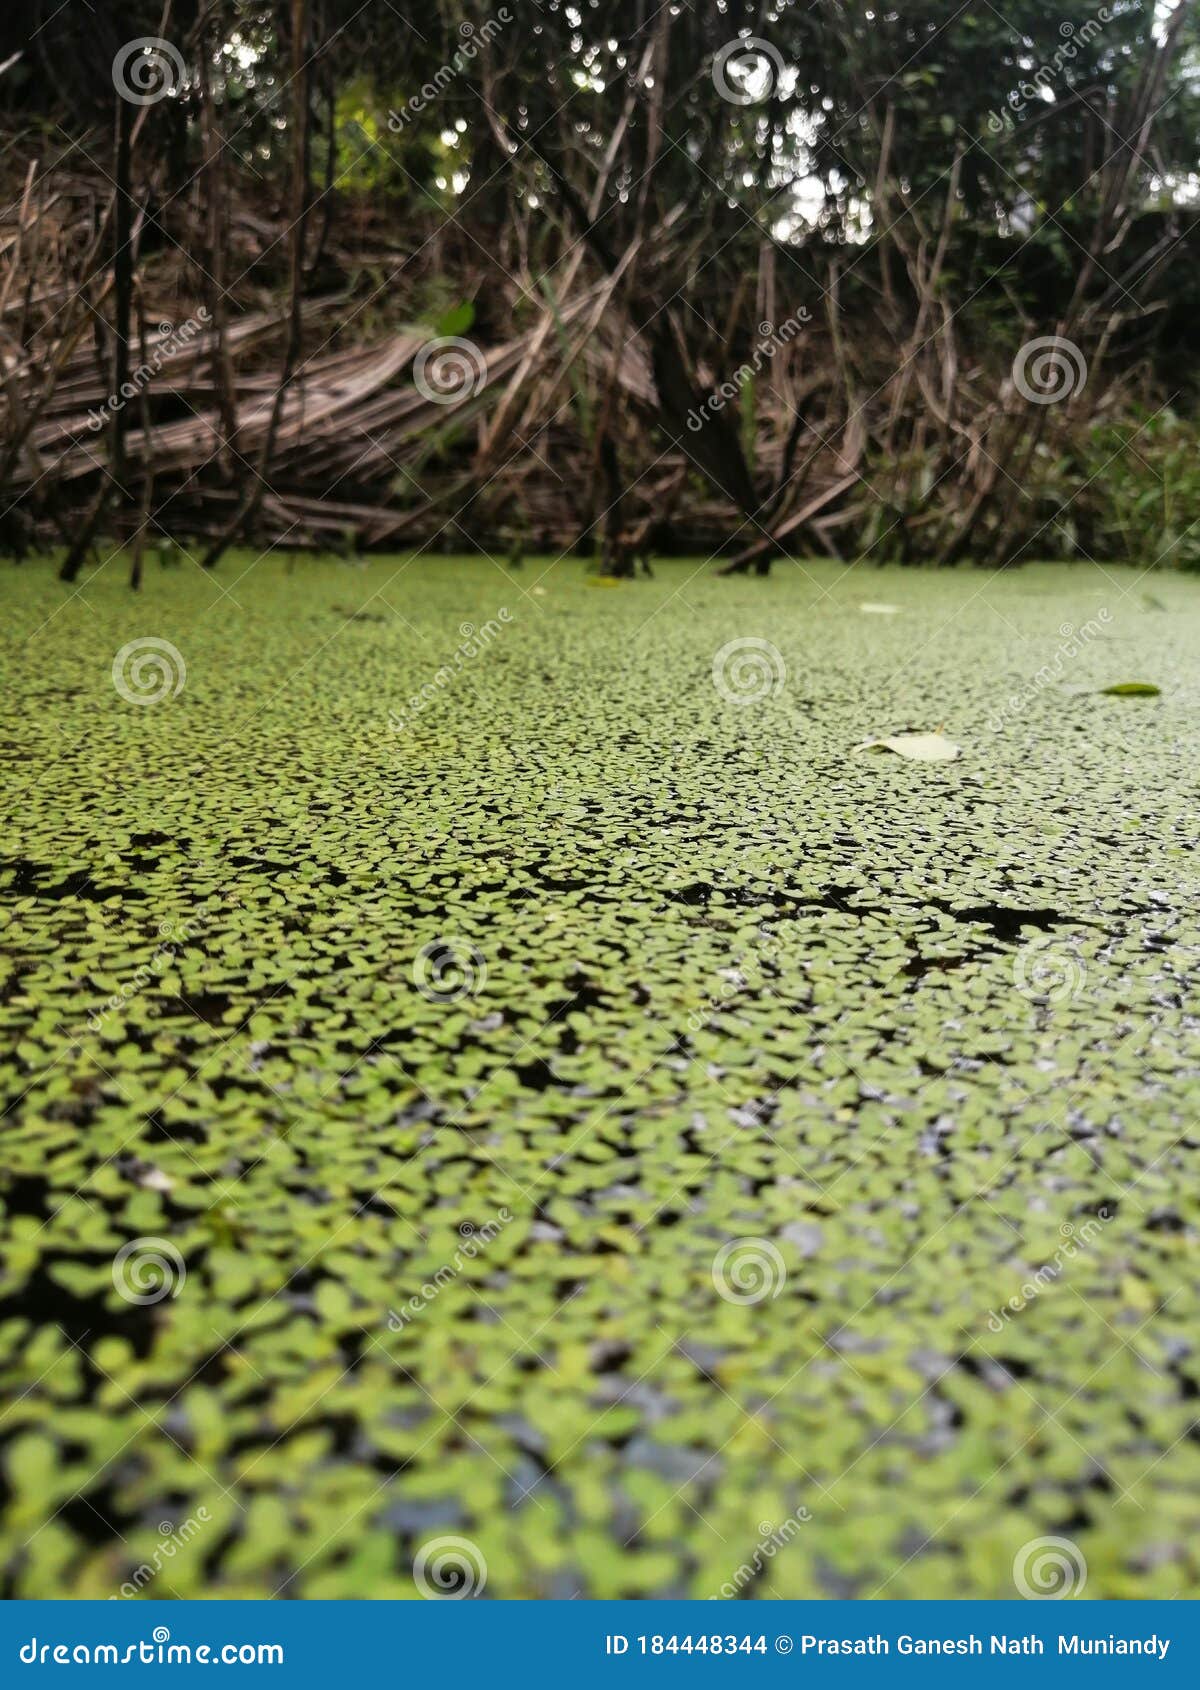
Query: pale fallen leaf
x=919, y=748
x=879, y=609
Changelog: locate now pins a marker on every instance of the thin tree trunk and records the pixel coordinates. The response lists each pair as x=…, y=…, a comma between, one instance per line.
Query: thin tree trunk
x=139, y=536
x=244, y=516
x=217, y=213
x=122, y=270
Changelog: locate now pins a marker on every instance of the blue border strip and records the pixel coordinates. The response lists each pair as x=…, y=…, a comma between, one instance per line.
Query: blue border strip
x=609, y=1643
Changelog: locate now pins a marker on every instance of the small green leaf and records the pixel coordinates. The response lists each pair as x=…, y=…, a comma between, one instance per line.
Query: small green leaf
x=457, y=320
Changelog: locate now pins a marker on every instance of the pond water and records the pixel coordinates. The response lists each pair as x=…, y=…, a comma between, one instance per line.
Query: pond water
x=487, y=1057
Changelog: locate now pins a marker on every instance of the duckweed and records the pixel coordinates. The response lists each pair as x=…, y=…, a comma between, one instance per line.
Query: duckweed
x=544, y=1101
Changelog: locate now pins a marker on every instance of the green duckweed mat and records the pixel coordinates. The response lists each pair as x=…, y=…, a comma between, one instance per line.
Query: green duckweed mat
x=592, y=1113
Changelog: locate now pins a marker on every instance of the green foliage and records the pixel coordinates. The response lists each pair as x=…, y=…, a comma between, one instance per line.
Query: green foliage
x=376, y=154
x=457, y=320
x=1125, y=492
x=1142, y=491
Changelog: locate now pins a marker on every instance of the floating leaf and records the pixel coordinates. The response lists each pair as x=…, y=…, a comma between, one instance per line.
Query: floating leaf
x=918, y=748
x=1132, y=689
x=879, y=609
